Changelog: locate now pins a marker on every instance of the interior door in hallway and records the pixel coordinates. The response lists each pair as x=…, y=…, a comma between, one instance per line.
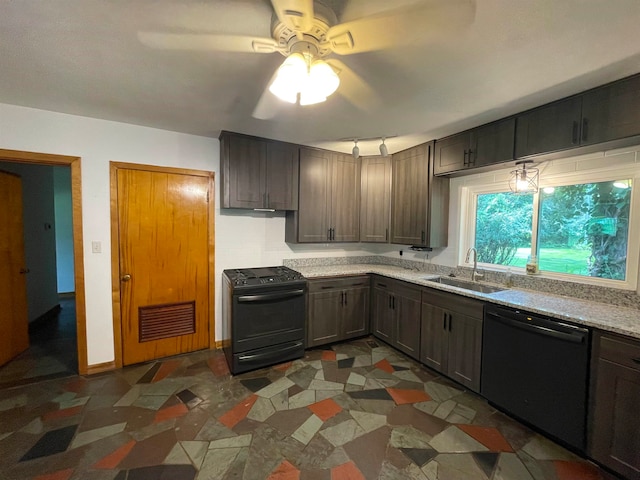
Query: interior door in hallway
x=164, y=271
x=14, y=333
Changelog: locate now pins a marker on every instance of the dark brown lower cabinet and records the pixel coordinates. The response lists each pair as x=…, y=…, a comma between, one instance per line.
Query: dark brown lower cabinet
x=338, y=309
x=396, y=314
x=451, y=336
x=614, y=436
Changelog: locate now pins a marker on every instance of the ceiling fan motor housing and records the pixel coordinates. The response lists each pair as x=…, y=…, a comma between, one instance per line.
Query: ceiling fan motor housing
x=313, y=40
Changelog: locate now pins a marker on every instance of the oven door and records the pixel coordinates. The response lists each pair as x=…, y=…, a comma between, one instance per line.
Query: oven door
x=268, y=317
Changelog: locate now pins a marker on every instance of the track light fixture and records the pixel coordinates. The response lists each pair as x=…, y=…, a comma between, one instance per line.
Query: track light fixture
x=356, y=149
x=383, y=149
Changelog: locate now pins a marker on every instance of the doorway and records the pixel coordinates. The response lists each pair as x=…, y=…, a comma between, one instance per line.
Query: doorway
x=162, y=239
x=71, y=317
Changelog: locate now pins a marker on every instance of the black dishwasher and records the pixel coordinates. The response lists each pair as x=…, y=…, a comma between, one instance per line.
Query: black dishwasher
x=536, y=369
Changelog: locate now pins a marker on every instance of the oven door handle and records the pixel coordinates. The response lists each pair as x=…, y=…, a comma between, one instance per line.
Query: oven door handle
x=270, y=297
x=256, y=356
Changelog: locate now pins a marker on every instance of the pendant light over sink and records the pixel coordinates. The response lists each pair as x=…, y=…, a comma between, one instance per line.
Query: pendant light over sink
x=524, y=180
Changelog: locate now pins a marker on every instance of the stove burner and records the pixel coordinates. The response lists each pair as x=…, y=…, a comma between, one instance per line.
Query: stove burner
x=241, y=277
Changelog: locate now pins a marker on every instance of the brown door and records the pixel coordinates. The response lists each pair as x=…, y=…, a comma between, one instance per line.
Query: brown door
x=14, y=333
x=164, y=271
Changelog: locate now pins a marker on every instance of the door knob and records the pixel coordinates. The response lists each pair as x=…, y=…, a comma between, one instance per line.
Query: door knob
x=126, y=277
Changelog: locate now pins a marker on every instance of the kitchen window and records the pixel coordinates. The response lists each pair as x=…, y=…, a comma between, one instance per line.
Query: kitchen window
x=578, y=227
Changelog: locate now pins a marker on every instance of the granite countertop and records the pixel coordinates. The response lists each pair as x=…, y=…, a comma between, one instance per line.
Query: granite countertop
x=625, y=321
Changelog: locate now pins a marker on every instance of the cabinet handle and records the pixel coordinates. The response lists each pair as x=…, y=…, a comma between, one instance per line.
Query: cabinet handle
x=464, y=158
x=574, y=133
x=326, y=287
x=357, y=284
x=450, y=322
x=386, y=235
x=341, y=298
x=332, y=234
x=381, y=285
x=444, y=321
x=470, y=161
x=636, y=360
x=393, y=302
x=329, y=235
x=422, y=240
x=345, y=298
x=268, y=200
x=585, y=129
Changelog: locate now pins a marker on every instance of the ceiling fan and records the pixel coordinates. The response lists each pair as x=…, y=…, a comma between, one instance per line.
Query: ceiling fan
x=307, y=32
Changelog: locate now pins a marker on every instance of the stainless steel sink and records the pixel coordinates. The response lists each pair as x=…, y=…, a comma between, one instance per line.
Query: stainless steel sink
x=466, y=284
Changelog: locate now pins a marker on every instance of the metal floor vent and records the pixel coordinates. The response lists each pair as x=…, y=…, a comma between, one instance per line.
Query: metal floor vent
x=165, y=321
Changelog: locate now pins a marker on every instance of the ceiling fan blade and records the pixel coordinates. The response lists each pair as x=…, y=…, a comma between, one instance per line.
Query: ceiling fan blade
x=295, y=14
x=402, y=26
x=353, y=88
x=268, y=105
x=208, y=42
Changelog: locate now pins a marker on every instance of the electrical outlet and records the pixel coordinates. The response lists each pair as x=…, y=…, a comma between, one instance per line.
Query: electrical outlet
x=96, y=247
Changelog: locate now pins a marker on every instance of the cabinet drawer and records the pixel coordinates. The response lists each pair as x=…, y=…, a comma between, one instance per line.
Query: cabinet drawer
x=621, y=351
x=338, y=283
x=453, y=302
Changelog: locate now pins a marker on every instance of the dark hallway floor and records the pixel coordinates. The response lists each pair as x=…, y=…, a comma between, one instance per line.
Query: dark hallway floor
x=358, y=410
x=52, y=351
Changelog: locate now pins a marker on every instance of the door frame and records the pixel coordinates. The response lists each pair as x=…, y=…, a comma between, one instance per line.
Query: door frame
x=35, y=158
x=115, y=248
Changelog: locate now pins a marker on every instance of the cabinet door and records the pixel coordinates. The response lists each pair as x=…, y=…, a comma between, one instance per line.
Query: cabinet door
x=434, y=346
x=244, y=172
x=465, y=350
x=493, y=143
x=406, y=305
x=282, y=176
x=452, y=154
x=382, y=314
x=324, y=317
x=549, y=128
x=375, y=199
x=345, y=206
x=355, y=303
x=611, y=112
x=410, y=196
x=314, y=200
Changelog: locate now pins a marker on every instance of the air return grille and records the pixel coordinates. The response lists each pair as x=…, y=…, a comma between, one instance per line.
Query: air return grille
x=164, y=321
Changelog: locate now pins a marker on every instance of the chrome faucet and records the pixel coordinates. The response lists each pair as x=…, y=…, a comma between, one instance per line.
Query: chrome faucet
x=475, y=275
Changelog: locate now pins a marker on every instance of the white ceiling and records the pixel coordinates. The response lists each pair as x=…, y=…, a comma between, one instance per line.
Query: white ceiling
x=83, y=57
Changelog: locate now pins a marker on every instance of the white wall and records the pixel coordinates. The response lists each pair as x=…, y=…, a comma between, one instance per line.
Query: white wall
x=64, y=229
x=39, y=236
x=242, y=240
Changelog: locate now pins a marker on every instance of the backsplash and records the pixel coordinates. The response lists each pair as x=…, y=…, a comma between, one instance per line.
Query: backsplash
x=612, y=296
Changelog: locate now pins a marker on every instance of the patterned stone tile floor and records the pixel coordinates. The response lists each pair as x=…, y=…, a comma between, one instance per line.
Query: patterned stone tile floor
x=358, y=410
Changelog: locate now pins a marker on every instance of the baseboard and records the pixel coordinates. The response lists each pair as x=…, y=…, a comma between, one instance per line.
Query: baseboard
x=222, y=343
x=101, y=367
x=44, y=318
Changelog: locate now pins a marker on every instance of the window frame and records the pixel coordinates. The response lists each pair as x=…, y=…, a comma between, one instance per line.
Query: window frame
x=498, y=183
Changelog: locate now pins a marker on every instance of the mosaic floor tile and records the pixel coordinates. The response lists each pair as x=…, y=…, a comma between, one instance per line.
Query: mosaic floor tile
x=196, y=451
x=342, y=433
x=329, y=355
x=325, y=409
x=170, y=412
x=486, y=461
x=157, y=472
x=261, y=410
x=276, y=387
x=346, y=471
x=567, y=470
x=410, y=437
x=285, y=471
x=489, y=437
x=305, y=432
x=402, y=396
x=368, y=421
x=237, y=413
x=177, y=456
x=89, y=436
x=189, y=398
x=346, y=362
x=112, y=460
x=509, y=466
x=50, y=443
x=149, y=374
x=454, y=440
x=420, y=456
x=302, y=399
x=59, y=475
x=385, y=366
x=375, y=394
x=368, y=451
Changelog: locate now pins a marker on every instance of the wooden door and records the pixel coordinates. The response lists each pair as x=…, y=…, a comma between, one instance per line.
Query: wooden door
x=345, y=201
x=356, y=309
x=325, y=311
x=410, y=196
x=314, y=201
x=465, y=349
x=382, y=314
x=407, y=303
x=493, y=143
x=164, y=270
x=452, y=154
x=14, y=333
x=549, y=128
x=375, y=199
x=434, y=346
x=244, y=168
x=282, y=176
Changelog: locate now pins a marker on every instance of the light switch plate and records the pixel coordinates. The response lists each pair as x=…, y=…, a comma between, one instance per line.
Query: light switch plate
x=96, y=247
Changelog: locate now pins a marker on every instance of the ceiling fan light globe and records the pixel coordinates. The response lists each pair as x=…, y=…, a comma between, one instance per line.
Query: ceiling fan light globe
x=323, y=78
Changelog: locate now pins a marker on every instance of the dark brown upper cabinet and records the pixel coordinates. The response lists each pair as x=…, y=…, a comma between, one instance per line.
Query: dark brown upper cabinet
x=258, y=173
x=420, y=201
x=329, y=199
x=604, y=114
x=485, y=145
x=375, y=199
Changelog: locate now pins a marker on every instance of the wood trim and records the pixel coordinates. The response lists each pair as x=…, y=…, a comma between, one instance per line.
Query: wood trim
x=223, y=344
x=78, y=244
x=115, y=247
x=100, y=368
